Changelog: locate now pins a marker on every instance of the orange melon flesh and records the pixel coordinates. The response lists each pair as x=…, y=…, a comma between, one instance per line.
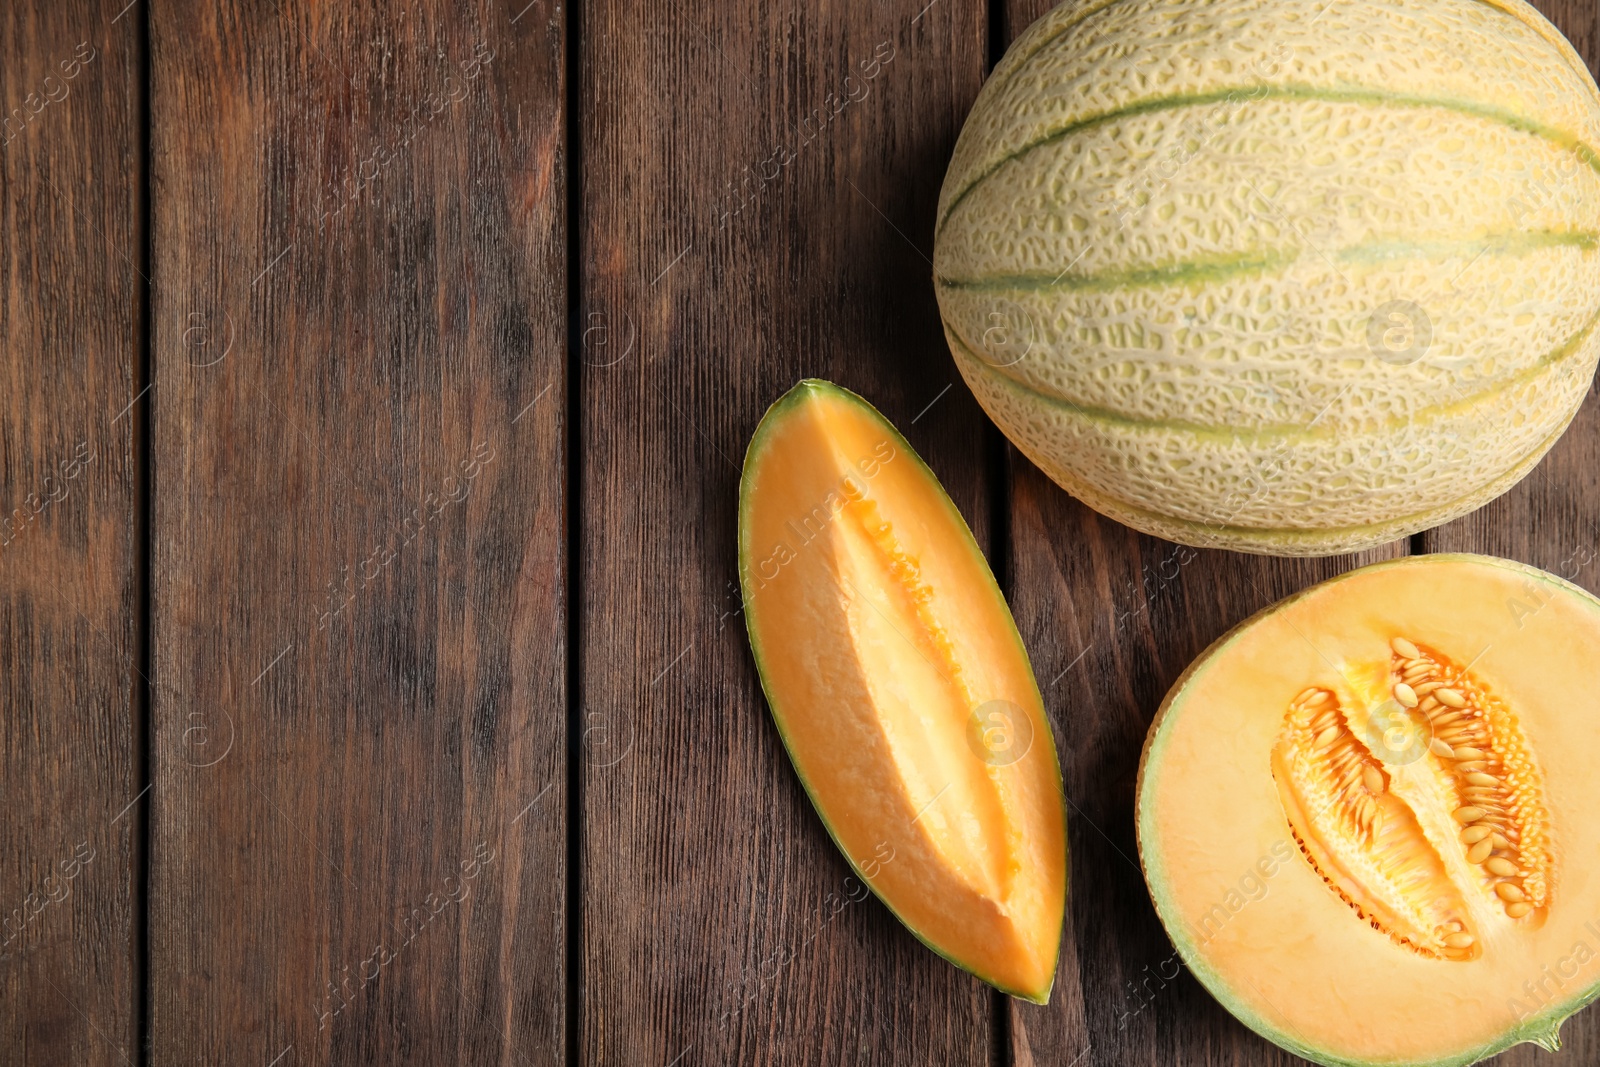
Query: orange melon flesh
x=1373, y=875
x=901, y=688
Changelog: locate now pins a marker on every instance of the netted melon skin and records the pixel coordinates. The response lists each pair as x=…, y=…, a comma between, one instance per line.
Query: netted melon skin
x=1278, y=275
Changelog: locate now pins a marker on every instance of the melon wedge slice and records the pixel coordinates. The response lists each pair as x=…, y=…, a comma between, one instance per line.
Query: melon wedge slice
x=901, y=688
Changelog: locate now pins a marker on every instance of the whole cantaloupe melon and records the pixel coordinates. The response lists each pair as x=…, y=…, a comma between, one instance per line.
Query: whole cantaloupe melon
x=1286, y=276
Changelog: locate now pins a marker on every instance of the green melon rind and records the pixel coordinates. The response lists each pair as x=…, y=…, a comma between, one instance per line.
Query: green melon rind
x=1284, y=91
x=1283, y=541
x=1550, y=361
x=1310, y=542
x=1260, y=261
x=1031, y=47
x=1027, y=49
x=1543, y=1029
x=780, y=408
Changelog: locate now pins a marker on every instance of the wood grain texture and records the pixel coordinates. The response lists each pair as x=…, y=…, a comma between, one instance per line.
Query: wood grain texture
x=359, y=723
x=359, y=728
x=1551, y=520
x=1111, y=618
x=70, y=336
x=1580, y=21
x=759, y=185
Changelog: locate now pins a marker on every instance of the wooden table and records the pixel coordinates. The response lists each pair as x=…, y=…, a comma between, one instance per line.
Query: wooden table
x=374, y=686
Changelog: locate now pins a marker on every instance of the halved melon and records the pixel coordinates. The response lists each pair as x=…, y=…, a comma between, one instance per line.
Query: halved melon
x=1365, y=815
x=901, y=688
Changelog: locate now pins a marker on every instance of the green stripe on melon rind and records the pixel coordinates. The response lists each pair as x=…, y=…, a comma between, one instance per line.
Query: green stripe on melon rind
x=1288, y=541
x=1292, y=431
x=1189, y=272
x=1242, y=94
x=1517, y=9
x=797, y=395
x=1543, y=1029
x=1225, y=268
x=1299, y=541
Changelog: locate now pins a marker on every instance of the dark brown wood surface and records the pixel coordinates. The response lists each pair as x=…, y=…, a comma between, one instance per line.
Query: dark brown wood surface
x=71, y=290
x=374, y=689
x=766, y=219
x=359, y=725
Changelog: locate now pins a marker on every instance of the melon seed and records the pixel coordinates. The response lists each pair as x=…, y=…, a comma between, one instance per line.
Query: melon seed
x=1482, y=767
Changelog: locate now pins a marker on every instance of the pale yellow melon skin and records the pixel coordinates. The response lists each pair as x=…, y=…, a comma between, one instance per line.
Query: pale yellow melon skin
x=1176, y=235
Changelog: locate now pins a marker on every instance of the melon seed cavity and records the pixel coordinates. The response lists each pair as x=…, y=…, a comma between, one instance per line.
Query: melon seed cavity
x=1378, y=833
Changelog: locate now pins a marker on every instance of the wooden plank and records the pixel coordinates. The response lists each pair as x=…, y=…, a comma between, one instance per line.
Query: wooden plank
x=1580, y=21
x=359, y=822
x=759, y=186
x=70, y=718
x=1551, y=520
x=1111, y=618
